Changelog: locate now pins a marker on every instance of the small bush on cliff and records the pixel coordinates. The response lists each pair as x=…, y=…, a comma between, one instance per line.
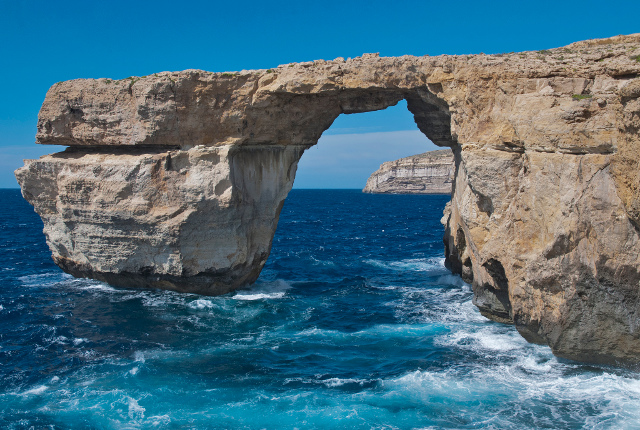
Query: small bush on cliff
x=581, y=96
x=637, y=58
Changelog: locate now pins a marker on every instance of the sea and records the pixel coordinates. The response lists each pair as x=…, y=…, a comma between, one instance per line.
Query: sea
x=354, y=323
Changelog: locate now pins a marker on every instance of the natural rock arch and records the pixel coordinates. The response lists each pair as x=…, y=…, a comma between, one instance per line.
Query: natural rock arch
x=176, y=180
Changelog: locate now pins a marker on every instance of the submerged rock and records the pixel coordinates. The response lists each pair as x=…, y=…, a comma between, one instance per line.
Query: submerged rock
x=176, y=180
x=427, y=173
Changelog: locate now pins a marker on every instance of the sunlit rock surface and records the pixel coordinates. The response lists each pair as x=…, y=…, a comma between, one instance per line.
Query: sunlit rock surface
x=427, y=173
x=175, y=180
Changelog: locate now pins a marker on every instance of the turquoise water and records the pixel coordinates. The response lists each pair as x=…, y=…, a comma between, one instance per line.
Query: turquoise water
x=354, y=323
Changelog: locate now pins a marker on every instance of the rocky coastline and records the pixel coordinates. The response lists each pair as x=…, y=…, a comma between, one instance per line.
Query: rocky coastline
x=427, y=173
x=176, y=180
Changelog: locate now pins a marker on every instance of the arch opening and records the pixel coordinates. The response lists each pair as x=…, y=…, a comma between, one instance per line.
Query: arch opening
x=356, y=145
x=328, y=208
x=336, y=242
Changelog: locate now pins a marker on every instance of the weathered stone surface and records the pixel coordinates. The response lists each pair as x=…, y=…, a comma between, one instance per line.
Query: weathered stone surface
x=198, y=220
x=176, y=179
x=427, y=173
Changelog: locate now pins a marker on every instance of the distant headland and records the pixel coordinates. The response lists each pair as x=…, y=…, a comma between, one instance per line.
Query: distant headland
x=427, y=173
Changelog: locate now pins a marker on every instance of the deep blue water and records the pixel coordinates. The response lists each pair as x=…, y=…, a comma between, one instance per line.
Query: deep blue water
x=354, y=323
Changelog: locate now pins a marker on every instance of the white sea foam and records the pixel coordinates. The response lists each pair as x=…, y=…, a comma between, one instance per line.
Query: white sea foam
x=339, y=382
x=61, y=340
x=331, y=382
x=258, y=296
x=139, y=356
x=94, y=286
x=434, y=264
x=201, y=304
x=77, y=341
x=36, y=390
x=318, y=262
x=272, y=290
x=318, y=332
x=444, y=305
x=483, y=339
x=136, y=411
x=562, y=401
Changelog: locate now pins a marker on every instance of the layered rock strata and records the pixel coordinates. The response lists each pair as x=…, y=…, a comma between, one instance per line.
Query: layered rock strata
x=427, y=173
x=176, y=180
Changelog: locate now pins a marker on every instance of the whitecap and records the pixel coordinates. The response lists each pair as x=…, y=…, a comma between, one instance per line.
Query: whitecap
x=339, y=382
x=444, y=305
x=200, y=304
x=36, y=390
x=318, y=332
x=318, y=262
x=94, y=286
x=271, y=290
x=259, y=296
x=60, y=340
x=593, y=399
x=139, y=356
x=483, y=339
x=135, y=410
x=330, y=382
x=433, y=264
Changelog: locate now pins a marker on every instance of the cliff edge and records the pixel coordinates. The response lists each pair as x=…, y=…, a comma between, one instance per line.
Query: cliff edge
x=427, y=173
x=176, y=180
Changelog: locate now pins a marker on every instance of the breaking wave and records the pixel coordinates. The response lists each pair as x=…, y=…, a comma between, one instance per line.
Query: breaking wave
x=368, y=332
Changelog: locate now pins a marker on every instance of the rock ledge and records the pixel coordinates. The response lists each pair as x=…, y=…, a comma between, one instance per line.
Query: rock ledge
x=427, y=173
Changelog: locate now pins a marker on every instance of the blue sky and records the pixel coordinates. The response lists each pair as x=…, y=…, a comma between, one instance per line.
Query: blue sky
x=46, y=42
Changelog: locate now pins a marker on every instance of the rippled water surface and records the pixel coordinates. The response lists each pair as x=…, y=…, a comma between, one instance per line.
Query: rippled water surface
x=354, y=323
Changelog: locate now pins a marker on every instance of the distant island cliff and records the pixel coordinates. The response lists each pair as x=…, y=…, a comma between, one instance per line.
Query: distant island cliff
x=427, y=173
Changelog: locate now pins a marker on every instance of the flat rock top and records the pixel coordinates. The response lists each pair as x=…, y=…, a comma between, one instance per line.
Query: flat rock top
x=195, y=107
x=437, y=156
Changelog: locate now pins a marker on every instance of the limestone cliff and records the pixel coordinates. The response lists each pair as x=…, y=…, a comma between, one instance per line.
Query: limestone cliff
x=427, y=173
x=176, y=180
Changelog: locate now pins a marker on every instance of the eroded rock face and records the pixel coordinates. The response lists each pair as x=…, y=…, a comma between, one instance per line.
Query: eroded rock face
x=176, y=180
x=200, y=220
x=427, y=173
